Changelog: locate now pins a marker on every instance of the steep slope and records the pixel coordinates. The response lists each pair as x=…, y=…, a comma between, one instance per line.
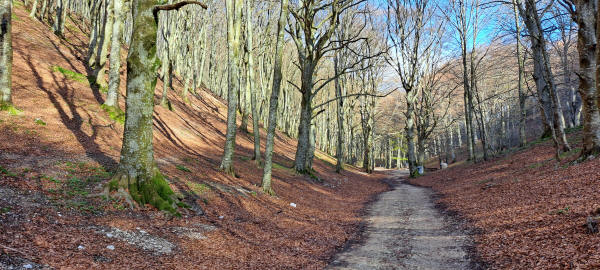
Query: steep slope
x=64, y=146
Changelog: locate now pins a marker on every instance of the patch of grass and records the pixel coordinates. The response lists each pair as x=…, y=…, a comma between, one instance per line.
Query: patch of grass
x=197, y=188
x=562, y=211
x=573, y=129
x=39, y=122
x=485, y=181
x=71, y=75
x=253, y=193
x=569, y=153
x=6, y=172
x=11, y=109
x=4, y=210
x=245, y=158
x=182, y=168
x=115, y=113
x=281, y=167
x=536, y=165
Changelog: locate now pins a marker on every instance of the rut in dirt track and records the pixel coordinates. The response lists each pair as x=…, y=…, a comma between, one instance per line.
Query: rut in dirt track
x=406, y=231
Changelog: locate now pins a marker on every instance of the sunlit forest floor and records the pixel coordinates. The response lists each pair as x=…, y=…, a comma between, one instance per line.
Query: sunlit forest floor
x=528, y=210
x=64, y=146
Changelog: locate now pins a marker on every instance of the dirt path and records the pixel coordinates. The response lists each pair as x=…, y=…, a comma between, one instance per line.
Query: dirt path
x=406, y=231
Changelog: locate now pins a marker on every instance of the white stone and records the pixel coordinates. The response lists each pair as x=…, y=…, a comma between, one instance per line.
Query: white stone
x=292, y=204
x=80, y=247
x=28, y=266
x=110, y=247
x=444, y=165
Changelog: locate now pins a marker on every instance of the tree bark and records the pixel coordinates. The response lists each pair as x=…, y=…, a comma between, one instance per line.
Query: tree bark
x=587, y=17
x=522, y=94
x=114, y=73
x=274, y=100
x=137, y=170
x=234, y=25
x=6, y=54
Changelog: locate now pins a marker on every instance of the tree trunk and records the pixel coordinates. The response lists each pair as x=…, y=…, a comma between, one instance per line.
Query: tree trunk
x=340, y=119
x=587, y=48
x=234, y=24
x=274, y=101
x=250, y=82
x=33, y=9
x=522, y=94
x=6, y=55
x=137, y=170
x=59, y=21
x=114, y=74
x=305, y=119
x=410, y=133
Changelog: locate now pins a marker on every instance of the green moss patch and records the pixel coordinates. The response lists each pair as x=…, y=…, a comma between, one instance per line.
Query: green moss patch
x=115, y=113
x=12, y=110
x=71, y=75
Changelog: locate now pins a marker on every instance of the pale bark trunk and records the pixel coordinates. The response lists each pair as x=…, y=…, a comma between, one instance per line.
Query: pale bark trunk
x=59, y=21
x=33, y=9
x=137, y=171
x=6, y=54
x=522, y=94
x=250, y=82
x=114, y=74
x=273, y=103
x=410, y=132
x=234, y=14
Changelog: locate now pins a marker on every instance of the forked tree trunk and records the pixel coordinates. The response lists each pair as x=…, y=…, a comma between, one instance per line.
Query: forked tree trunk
x=274, y=100
x=6, y=54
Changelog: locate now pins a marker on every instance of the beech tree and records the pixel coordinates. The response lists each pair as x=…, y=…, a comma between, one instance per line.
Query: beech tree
x=584, y=13
x=6, y=55
x=137, y=177
x=274, y=100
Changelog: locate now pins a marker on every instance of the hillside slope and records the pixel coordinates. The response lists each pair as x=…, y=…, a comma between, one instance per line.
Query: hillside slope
x=64, y=146
x=528, y=210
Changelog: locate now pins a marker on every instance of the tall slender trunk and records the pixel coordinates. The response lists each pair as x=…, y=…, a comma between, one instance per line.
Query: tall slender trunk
x=410, y=132
x=6, y=54
x=250, y=82
x=234, y=14
x=340, y=119
x=273, y=103
x=522, y=94
x=114, y=74
x=59, y=21
x=399, y=153
x=587, y=48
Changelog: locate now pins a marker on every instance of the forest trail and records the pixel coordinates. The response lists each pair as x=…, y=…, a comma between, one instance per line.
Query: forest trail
x=406, y=231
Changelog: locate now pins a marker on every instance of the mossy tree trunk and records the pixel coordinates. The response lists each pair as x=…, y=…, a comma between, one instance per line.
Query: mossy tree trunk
x=137, y=171
x=234, y=26
x=6, y=54
x=274, y=101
